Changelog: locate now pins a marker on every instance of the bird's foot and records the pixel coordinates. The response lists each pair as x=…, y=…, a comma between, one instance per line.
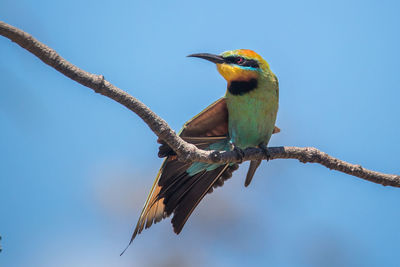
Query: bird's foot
x=264, y=148
x=239, y=153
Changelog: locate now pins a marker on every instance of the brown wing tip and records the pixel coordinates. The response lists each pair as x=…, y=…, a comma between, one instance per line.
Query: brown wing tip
x=276, y=130
x=177, y=230
x=177, y=227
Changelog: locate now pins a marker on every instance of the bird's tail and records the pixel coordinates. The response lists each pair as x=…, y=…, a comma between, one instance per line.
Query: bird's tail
x=179, y=187
x=252, y=170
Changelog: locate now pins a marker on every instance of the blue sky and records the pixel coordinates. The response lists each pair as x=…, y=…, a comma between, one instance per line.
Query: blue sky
x=75, y=166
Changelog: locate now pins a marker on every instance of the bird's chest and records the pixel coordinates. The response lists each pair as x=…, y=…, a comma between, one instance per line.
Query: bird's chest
x=251, y=118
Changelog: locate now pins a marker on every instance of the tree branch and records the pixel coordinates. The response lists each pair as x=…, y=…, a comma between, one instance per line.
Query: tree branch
x=185, y=151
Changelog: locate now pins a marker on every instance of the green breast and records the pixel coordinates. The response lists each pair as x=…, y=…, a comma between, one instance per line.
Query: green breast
x=252, y=115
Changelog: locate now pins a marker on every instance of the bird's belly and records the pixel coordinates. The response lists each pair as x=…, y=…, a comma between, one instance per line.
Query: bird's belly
x=251, y=122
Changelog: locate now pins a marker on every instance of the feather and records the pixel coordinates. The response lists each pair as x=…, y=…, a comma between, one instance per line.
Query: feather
x=252, y=169
x=190, y=201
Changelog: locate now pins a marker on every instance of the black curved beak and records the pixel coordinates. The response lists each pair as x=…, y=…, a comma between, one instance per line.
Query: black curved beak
x=210, y=57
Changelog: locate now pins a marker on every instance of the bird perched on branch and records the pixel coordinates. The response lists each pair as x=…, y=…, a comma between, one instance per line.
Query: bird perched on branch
x=244, y=118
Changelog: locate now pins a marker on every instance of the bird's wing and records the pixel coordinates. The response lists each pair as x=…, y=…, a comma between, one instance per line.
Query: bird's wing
x=212, y=121
x=175, y=190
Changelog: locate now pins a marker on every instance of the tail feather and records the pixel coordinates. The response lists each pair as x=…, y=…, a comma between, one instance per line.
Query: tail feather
x=175, y=195
x=252, y=170
x=191, y=199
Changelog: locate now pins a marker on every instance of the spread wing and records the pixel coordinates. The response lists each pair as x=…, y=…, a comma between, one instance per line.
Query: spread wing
x=174, y=190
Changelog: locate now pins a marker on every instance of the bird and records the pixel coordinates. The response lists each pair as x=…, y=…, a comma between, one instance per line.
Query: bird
x=244, y=117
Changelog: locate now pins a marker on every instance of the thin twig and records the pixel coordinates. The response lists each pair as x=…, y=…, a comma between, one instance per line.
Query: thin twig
x=185, y=151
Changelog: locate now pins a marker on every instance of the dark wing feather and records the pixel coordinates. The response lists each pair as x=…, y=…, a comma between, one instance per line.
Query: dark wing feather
x=189, y=201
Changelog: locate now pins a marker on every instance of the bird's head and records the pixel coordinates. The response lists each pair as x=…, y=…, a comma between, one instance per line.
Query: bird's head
x=239, y=65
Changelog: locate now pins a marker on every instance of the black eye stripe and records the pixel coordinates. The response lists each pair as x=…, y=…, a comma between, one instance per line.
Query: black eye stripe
x=251, y=63
x=245, y=63
x=230, y=59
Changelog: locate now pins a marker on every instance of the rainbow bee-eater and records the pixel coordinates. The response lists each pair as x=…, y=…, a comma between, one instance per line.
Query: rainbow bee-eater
x=244, y=117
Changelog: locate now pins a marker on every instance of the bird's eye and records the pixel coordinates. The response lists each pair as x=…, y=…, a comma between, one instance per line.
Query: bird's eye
x=239, y=60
